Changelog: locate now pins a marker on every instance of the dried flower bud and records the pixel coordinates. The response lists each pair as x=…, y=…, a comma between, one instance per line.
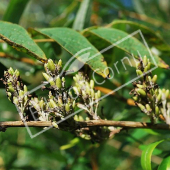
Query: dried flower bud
x=16, y=73
x=148, y=108
x=76, y=90
x=10, y=89
x=15, y=100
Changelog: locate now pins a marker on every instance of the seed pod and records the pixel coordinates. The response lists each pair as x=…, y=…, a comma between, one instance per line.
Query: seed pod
x=9, y=94
x=58, y=82
x=167, y=93
x=92, y=84
x=154, y=78
x=10, y=89
x=96, y=96
x=157, y=110
x=51, y=65
x=75, y=78
x=41, y=103
x=140, y=86
x=53, y=103
x=149, y=79
x=92, y=93
x=15, y=100
x=63, y=79
x=60, y=102
x=145, y=60
x=11, y=71
x=21, y=93
x=25, y=89
x=158, y=98
x=46, y=76
x=142, y=107
x=135, y=98
x=55, y=125
x=67, y=107
x=139, y=72
x=148, y=108
x=76, y=90
x=52, y=83
x=87, y=90
x=99, y=93
x=141, y=92
x=74, y=104
x=16, y=73
x=60, y=63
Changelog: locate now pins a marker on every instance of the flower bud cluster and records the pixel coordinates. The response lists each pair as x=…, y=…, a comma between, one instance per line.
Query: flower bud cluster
x=147, y=94
x=85, y=89
x=16, y=91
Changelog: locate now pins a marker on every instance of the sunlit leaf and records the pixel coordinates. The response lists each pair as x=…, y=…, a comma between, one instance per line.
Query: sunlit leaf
x=17, y=37
x=78, y=46
x=165, y=164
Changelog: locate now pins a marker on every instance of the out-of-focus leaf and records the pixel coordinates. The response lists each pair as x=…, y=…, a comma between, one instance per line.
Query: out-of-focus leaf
x=155, y=151
x=146, y=155
x=71, y=144
x=127, y=43
x=15, y=10
x=63, y=19
x=151, y=36
x=165, y=164
x=18, y=38
x=78, y=46
x=83, y=15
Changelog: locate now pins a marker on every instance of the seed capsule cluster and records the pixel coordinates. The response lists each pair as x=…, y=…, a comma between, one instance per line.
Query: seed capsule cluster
x=90, y=97
x=16, y=91
x=147, y=95
x=60, y=101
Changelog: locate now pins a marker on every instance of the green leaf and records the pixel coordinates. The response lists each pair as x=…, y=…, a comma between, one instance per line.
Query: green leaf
x=71, y=144
x=75, y=43
x=130, y=45
x=146, y=155
x=15, y=10
x=17, y=37
x=83, y=15
x=165, y=164
x=151, y=36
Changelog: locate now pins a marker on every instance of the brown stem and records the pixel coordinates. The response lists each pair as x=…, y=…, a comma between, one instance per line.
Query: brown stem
x=91, y=123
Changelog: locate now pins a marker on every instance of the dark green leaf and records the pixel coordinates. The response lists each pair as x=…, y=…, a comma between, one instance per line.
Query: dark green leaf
x=151, y=36
x=18, y=38
x=74, y=42
x=146, y=155
x=130, y=45
x=15, y=10
x=165, y=164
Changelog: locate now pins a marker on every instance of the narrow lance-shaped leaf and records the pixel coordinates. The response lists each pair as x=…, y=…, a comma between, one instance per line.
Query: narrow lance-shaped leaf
x=15, y=10
x=83, y=15
x=146, y=155
x=17, y=37
x=165, y=164
x=78, y=46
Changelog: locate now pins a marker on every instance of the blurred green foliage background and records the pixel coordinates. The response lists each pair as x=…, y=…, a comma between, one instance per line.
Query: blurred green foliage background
x=19, y=151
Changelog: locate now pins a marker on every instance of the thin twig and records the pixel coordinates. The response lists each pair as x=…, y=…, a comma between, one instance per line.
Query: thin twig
x=37, y=40
x=91, y=123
